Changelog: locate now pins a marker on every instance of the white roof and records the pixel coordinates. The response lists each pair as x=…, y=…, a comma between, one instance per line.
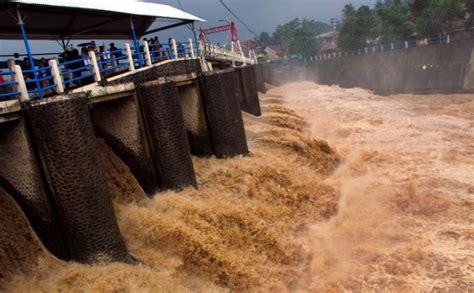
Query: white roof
x=87, y=19
x=120, y=6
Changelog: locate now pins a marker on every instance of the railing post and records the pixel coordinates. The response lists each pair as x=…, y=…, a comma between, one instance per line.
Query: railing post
x=175, y=49
x=146, y=48
x=191, y=47
x=392, y=46
x=21, y=86
x=95, y=66
x=131, y=63
x=57, y=76
x=202, y=49
x=448, y=39
x=406, y=44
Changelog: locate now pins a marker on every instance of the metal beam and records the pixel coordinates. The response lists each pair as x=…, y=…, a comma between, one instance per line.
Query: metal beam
x=168, y=27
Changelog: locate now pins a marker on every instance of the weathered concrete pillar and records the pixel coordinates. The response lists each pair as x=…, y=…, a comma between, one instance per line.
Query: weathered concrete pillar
x=21, y=176
x=267, y=73
x=64, y=135
x=167, y=134
x=250, y=101
x=195, y=120
x=259, y=75
x=223, y=113
x=120, y=123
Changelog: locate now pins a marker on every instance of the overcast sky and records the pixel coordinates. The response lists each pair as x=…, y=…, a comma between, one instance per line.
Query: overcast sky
x=260, y=15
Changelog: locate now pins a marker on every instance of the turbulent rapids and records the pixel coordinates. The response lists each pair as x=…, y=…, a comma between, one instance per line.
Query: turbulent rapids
x=343, y=190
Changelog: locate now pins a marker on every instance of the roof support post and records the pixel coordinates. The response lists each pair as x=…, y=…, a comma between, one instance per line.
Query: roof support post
x=28, y=52
x=196, y=41
x=136, y=44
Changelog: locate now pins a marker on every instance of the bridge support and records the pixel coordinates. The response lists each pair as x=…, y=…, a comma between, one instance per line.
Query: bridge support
x=64, y=135
x=167, y=135
x=250, y=102
x=195, y=120
x=20, y=175
x=267, y=74
x=223, y=113
x=260, y=78
x=120, y=123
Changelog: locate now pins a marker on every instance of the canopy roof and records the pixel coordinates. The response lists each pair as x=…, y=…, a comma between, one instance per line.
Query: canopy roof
x=86, y=19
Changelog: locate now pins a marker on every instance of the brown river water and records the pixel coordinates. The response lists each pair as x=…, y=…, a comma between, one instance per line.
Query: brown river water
x=344, y=191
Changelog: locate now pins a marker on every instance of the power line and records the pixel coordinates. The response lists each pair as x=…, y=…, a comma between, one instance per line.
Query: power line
x=238, y=18
x=189, y=26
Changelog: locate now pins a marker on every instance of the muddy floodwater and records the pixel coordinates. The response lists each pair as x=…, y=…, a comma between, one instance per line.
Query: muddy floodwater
x=344, y=191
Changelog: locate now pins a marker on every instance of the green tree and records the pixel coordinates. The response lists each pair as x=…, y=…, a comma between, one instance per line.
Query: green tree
x=263, y=40
x=299, y=36
x=470, y=12
x=393, y=21
x=439, y=16
x=357, y=28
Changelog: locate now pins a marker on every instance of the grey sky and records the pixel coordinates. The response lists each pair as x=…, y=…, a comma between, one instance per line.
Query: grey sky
x=260, y=15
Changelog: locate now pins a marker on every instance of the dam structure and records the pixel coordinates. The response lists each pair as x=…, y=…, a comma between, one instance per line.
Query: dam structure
x=155, y=106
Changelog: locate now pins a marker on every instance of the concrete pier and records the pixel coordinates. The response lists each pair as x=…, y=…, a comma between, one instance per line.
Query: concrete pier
x=260, y=78
x=167, y=135
x=223, y=113
x=64, y=135
x=22, y=177
x=250, y=102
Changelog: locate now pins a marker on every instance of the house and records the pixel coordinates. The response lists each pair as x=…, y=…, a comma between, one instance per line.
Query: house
x=329, y=42
x=274, y=52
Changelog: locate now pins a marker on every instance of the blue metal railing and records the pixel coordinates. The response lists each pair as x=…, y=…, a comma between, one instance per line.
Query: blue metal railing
x=80, y=71
x=111, y=61
x=76, y=71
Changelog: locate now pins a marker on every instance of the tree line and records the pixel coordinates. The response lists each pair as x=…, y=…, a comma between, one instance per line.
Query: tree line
x=393, y=21
x=389, y=21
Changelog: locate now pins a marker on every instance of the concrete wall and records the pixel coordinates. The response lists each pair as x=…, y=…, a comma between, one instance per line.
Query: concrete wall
x=437, y=68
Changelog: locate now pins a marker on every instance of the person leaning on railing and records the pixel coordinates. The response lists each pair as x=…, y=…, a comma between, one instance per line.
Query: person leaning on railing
x=28, y=75
x=44, y=72
x=116, y=54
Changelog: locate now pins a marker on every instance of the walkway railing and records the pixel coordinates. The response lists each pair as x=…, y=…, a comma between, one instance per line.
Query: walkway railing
x=216, y=52
x=60, y=76
x=386, y=47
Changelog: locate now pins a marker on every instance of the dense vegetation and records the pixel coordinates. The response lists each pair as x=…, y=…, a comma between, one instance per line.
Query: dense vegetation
x=397, y=20
x=295, y=37
x=388, y=21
